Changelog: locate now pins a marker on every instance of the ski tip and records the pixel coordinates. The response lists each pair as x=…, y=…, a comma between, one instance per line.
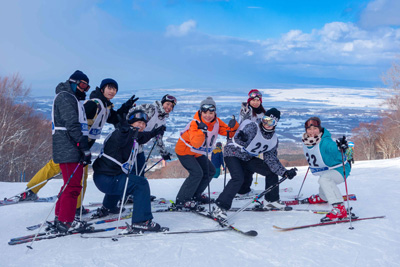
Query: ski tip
x=251, y=233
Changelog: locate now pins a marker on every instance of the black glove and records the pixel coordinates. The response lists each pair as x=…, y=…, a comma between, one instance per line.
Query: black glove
x=241, y=136
x=127, y=105
x=158, y=131
x=123, y=124
x=290, y=174
x=342, y=143
x=83, y=147
x=232, y=122
x=166, y=156
x=202, y=126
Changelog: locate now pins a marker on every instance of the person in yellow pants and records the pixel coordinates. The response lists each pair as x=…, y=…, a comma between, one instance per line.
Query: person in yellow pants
x=99, y=110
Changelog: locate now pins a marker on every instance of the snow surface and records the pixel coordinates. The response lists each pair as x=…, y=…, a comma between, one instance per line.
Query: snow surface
x=371, y=243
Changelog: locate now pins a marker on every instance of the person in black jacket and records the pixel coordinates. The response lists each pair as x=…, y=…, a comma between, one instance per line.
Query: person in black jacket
x=114, y=166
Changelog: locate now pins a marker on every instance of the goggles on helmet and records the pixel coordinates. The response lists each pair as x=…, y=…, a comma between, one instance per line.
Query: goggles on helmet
x=207, y=107
x=171, y=99
x=314, y=123
x=269, y=121
x=255, y=94
x=139, y=115
x=82, y=84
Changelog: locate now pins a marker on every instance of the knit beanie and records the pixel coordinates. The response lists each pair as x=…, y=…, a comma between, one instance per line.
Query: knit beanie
x=273, y=113
x=208, y=101
x=251, y=98
x=108, y=81
x=79, y=76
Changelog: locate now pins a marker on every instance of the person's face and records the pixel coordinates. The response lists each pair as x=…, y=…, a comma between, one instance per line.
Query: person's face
x=109, y=92
x=139, y=124
x=81, y=84
x=168, y=106
x=267, y=127
x=208, y=116
x=255, y=102
x=312, y=131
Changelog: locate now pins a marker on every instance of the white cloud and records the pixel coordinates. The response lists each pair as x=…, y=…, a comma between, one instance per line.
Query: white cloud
x=249, y=53
x=181, y=30
x=381, y=13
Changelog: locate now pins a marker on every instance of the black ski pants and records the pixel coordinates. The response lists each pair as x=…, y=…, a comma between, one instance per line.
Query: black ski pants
x=241, y=171
x=198, y=180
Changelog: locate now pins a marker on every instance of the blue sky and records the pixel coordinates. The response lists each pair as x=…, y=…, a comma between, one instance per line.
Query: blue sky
x=237, y=45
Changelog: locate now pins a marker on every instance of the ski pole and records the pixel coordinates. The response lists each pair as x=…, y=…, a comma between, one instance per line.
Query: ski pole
x=298, y=195
x=269, y=189
x=208, y=173
x=153, y=165
x=27, y=189
x=82, y=191
x=227, y=139
x=58, y=197
x=347, y=192
x=148, y=156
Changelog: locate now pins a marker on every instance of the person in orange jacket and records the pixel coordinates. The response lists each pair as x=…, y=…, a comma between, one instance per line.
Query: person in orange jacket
x=192, y=149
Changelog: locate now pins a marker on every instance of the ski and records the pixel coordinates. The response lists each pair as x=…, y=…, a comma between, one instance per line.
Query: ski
x=325, y=223
x=352, y=197
x=256, y=209
x=228, y=226
x=12, y=201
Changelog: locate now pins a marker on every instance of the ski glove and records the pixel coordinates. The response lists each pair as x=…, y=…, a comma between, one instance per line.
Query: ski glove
x=241, y=136
x=232, y=122
x=83, y=147
x=127, y=105
x=342, y=143
x=158, y=131
x=202, y=126
x=290, y=174
x=166, y=156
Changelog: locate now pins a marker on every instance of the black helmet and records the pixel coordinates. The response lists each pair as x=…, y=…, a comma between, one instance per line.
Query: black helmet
x=137, y=115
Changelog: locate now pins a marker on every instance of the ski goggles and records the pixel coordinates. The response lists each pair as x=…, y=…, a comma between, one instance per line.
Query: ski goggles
x=208, y=107
x=269, y=121
x=255, y=94
x=314, y=123
x=171, y=98
x=82, y=84
x=139, y=116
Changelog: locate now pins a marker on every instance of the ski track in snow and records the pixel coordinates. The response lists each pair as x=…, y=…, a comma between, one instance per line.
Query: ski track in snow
x=371, y=243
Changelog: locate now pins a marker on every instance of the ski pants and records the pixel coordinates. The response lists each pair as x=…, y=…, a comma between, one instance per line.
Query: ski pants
x=138, y=187
x=241, y=171
x=66, y=204
x=328, y=189
x=48, y=171
x=198, y=178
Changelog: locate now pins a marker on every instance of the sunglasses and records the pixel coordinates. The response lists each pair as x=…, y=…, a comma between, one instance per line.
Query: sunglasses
x=269, y=121
x=139, y=115
x=208, y=107
x=171, y=99
x=314, y=123
x=255, y=94
x=82, y=84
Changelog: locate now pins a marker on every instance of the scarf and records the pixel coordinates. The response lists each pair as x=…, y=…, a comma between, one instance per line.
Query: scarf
x=311, y=141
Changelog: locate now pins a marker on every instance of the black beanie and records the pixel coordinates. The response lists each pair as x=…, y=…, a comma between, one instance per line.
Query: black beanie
x=79, y=76
x=273, y=113
x=108, y=81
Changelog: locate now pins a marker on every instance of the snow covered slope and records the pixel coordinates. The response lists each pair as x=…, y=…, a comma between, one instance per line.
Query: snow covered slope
x=371, y=243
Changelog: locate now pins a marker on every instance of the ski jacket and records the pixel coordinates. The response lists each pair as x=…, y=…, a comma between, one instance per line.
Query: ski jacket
x=193, y=137
x=246, y=113
x=66, y=114
x=217, y=158
x=250, y=131
x=157, y=117
x=118, y=146
x=326, y=154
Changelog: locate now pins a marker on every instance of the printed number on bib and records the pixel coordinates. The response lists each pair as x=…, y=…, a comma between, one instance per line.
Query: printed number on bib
x=312, y=160
x=257, y=150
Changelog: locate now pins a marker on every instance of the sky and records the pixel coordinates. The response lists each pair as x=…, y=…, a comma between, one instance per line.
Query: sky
x=210, y=45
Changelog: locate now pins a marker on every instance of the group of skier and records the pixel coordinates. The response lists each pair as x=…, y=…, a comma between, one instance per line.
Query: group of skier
x=119, y=168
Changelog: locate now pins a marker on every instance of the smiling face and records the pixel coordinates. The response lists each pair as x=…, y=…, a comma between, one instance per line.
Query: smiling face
x=312, y=131
x=109, y=92
x=139, y=124
x=255, y=102
x=168, y=106
x=208, y=116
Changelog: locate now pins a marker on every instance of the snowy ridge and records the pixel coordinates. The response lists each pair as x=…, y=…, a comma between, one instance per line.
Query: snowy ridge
x=371, y=243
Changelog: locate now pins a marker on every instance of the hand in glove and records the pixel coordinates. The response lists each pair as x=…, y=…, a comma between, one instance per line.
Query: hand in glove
x=241, y=136
x=202, y=126
x=166, y=156
x=83, y=147
x=232, y=122
x=342, y=143
x=290, y=174
x=127, y=105
x=158, y=131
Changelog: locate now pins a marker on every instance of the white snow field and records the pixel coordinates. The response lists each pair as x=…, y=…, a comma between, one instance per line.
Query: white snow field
x=371, y=243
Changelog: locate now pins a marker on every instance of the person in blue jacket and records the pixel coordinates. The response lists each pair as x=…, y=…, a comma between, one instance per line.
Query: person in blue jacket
x=325, y=159
x=217, y=159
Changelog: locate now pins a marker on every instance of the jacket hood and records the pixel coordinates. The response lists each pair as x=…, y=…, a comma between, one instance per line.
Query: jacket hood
x=98, y=94
x=64, y=87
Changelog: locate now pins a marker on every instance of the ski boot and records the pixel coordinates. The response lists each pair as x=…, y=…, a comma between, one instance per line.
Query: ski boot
x=275, y=205
x=314, y=199
x=28, y=196
x=337, y=213
x=140, y=227
x=220, y=214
